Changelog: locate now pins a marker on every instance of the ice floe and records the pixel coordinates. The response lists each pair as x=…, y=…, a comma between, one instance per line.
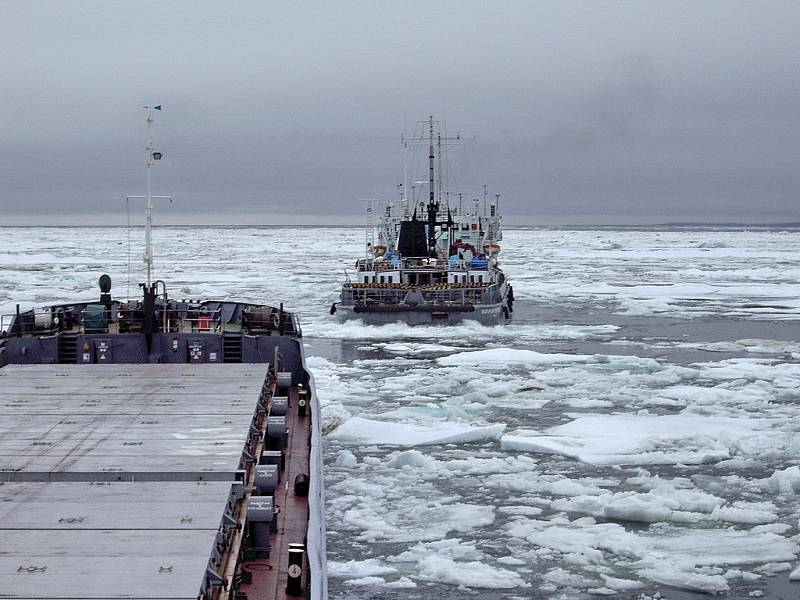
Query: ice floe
x=652, y=439
x=786, y=481
x=471, y=574
x=692, y=559
x=370, y=431
x=457, y=563
x=665, y=503
x=359, y=568
x=509, y=356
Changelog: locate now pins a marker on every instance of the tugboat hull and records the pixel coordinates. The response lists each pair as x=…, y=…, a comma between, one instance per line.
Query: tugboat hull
x=486, y=314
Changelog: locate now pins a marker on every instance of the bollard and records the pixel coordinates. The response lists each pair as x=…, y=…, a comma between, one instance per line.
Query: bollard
x=294, y=585
x=301, y=407
x=301, y=485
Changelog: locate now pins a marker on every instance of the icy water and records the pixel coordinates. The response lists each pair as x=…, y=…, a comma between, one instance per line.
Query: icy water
x=632, y=431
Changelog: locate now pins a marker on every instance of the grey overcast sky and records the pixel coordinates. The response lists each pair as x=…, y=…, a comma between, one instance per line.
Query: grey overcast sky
x=582, y=112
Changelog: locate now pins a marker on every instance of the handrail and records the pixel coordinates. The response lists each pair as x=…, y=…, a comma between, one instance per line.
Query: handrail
x=460, y=296
x=193, y=318
x=419, y=264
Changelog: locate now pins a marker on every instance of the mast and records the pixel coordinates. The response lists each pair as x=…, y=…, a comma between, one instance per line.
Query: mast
x=431, y=182
x=148, y=208
x=425, y=134
x=149, y=288
x=433, y=207
x=150, y=157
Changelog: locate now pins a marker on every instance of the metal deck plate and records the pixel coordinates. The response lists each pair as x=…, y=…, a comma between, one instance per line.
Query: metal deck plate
x=104, y=564
x=126, y=418
x=91, y=538
x=112, y=505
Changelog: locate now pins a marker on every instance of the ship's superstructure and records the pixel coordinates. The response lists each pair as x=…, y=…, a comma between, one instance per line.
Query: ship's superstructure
x=429, y=262
x=159, y=448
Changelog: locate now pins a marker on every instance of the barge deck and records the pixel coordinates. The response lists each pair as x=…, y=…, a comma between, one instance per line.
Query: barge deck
x=134, y=480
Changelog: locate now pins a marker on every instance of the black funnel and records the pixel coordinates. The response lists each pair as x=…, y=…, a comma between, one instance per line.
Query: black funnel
x=412, y=240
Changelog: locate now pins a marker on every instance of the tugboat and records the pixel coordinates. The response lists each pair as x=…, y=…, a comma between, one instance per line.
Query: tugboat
x=157, y=448
x=432, y=263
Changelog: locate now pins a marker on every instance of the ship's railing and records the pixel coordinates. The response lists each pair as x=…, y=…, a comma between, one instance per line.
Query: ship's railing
x=455, y=295
x=261, y=320
x=280, y=322
x=35, y=323
x=414, y=286
x=266, y=320
x=418, y=264
x=130, y=319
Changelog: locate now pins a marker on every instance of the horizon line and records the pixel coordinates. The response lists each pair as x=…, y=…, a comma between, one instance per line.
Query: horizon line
x=727, y=224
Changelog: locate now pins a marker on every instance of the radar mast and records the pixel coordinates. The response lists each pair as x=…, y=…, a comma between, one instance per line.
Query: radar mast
x=151, y=155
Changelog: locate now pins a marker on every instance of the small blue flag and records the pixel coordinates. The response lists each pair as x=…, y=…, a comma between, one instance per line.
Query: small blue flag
x=157, y=107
